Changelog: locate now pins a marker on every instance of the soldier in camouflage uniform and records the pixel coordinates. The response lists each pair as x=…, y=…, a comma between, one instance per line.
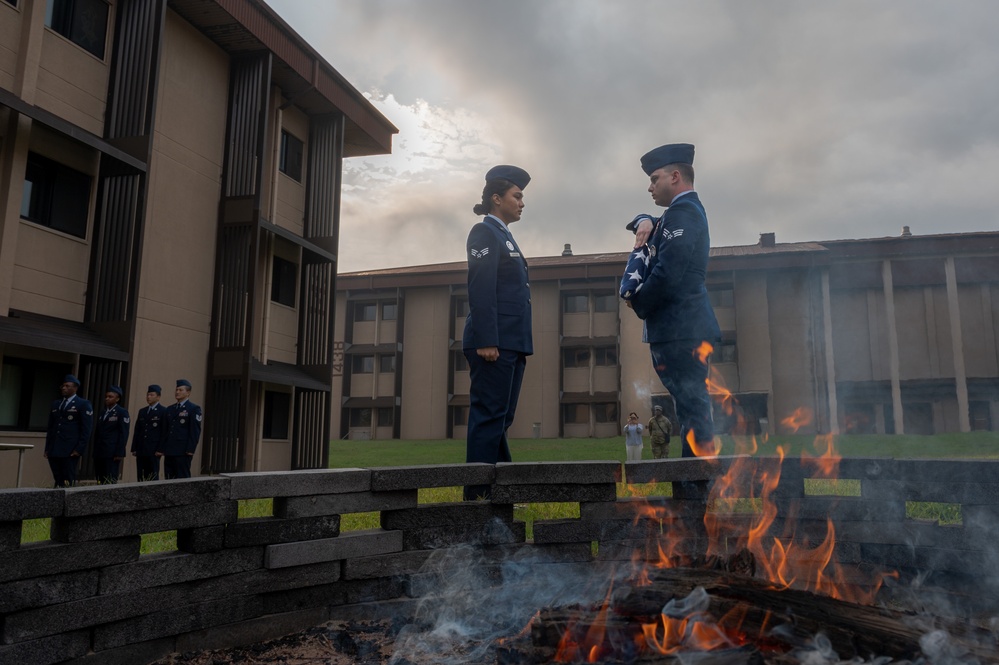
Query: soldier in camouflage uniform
x=659, y=430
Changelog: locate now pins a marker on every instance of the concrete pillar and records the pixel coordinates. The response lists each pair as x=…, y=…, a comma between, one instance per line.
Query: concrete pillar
x=888, y=286
x=957, y=342
x=833, y=403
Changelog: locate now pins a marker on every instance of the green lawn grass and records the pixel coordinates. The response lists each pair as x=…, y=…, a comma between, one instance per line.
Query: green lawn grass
x=365, y=454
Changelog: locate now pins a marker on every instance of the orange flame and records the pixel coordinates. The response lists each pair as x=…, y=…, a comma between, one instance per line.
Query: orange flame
x=801, y=417
x=827, y=463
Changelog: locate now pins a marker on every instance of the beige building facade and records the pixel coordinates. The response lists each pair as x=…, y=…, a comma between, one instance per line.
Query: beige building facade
x=880, y=335
x=169, y=208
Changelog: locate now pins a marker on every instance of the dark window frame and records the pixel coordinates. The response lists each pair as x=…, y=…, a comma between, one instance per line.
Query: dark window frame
x=56, y=196
x=605, y=356
x=284, y=281
x=359, y=417
x=39, y=381
x=277, y=415
x=576, y=357
x=72, y=19
x=576, y=299
x=461, y=307
x=605, y=302
x=385, y=417
x=359, y=364
x=365, y=311
x=605, y=412
x=389, y=311
x=292, y=156
x=575, y=410
x=390, y=359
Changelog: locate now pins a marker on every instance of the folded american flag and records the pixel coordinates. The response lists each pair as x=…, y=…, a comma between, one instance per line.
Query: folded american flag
x=638, y=263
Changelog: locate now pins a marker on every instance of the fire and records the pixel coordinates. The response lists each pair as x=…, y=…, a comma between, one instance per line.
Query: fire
x=800, y=418
x=741, y=516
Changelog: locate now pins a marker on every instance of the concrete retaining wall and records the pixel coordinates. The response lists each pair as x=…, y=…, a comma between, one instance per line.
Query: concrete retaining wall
x=88, y=596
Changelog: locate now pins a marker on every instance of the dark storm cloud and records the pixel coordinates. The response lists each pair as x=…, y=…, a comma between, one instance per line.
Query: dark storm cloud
x=814, y=120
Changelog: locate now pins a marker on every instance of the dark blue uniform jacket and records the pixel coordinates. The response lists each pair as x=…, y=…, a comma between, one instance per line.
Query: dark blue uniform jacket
x=150, y=425
x=69, y=429
x=499, y=293
x=183, y=429
x=111, y=432
x=673, y=300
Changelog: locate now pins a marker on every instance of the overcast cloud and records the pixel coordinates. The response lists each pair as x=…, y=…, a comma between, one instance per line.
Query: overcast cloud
x=817, y=121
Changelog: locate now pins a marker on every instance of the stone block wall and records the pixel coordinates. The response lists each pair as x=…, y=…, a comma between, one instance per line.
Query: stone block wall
x=87, y=596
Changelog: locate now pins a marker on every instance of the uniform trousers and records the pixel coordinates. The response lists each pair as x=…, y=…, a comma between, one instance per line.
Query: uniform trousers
x=495, y=389
x=177, y=466
x=106, y=470
x=685, y=376
x=147, y=467
x=64, y=470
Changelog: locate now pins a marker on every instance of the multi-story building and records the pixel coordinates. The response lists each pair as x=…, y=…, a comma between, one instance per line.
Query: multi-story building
x=880, y=335
x=169, y=208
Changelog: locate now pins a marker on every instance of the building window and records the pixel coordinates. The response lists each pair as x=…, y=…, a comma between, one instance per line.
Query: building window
x=722, y=297
x=83, y=22
x=386, y=363
x=277, y=415
x=12, y=2
x=461, y=307
x=575, y=303
x=459, y=416
x=726, y=352
x=605, y=302
x=390, y=311
x=363, y=365
x=56, y=196
x=292, y=150
x=386, y=417
x=460, y=362
x=365, y=311
x=576, y=414
x=605, y=412
x=980, y=417
x=576, y=357
x=284, y=278
x=859, y=418
x=360, y=417
x=27, y=389
x=605, y=356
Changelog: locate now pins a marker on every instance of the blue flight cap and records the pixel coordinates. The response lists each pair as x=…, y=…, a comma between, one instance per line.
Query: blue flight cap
x=154, y=389
x=514, y=174
x=183, y=382
x=671, y=153
x=114, y=389
x=71, y=379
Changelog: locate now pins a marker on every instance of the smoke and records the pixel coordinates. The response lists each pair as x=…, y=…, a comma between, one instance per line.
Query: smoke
x=475, y=601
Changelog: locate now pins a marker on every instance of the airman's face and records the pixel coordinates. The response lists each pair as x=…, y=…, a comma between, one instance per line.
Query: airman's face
x=182, y=393
x=110, y=399
x=509, y=206
x=68, y=389
x=662, y=186
x=152, y=398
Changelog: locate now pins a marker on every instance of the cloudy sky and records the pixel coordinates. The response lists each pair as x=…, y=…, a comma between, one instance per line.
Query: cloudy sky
x=816, y=121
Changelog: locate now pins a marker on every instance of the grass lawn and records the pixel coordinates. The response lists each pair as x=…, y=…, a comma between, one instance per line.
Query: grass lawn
x=346, y=454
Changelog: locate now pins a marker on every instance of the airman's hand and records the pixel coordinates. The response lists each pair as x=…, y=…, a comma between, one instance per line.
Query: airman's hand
x=488, y=353
x=642, y=233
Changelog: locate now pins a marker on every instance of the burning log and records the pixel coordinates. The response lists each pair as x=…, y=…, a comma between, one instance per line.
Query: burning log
x=727, y=619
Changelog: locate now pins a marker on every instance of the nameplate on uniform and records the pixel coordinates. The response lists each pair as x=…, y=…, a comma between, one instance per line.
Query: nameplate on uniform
x=515, y=255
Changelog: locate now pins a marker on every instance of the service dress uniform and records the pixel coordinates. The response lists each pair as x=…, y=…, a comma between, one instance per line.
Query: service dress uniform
x=499, y=300
x=150, y=425
x=71, y=421
x=673, y=302
x=183, y=432
x=110, y=438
